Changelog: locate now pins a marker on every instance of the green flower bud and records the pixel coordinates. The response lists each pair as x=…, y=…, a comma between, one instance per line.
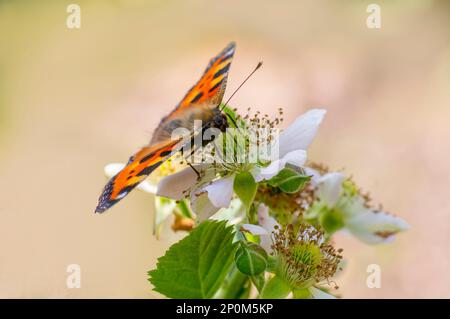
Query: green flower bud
x=251, y=259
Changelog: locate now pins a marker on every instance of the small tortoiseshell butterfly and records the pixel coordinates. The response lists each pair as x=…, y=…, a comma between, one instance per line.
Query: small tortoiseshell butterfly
x=200, y=103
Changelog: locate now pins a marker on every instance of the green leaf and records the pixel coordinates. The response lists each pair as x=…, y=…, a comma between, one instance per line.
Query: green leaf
x=251, y=259
x=275, y=288
x=245, y=188
x=288, y=180
x=196, y=266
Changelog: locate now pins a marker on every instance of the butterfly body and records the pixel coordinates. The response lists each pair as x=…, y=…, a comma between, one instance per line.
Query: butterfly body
x=201, y=103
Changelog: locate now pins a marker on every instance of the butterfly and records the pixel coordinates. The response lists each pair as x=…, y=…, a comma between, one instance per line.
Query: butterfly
x=202, y=102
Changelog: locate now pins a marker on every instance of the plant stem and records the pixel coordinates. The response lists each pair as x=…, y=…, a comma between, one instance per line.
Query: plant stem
x=236, y=286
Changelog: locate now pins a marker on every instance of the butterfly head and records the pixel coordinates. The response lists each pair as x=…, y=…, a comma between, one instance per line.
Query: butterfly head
x=220, y=122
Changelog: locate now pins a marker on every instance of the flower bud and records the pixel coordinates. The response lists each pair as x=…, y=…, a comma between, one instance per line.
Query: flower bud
x=251, y=259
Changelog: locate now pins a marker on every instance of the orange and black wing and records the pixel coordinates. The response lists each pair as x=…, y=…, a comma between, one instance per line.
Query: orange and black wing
x=201, y=100
x=199, y=103
x=211, y=86
x=139, y=166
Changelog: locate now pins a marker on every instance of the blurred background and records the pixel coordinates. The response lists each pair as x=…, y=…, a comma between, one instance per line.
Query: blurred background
x=73, y=100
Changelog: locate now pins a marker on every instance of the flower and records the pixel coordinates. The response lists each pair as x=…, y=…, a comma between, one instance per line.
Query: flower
x=289, y=148
x=340, y=206
x=303, y=257
x=292, y=144
x=301, y=260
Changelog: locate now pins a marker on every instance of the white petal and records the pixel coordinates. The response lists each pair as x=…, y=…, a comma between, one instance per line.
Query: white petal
x=112, y=169
x=270, y=171
x=233, y=214
x=320, y=294
x=301, y=132
x=375, y=227
x=297, y=158
x=330, y=187
x=265, y=220
x=163, y=210
x=202, y=206
x=175, y=185
x=147, y=187
x=268, y=223
x=256, y=172
x=315, y=175
x=255, y=229
x=352, y=207
x=220, y=191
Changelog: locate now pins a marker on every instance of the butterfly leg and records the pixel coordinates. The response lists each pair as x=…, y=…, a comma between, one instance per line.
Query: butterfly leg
x=193, y=168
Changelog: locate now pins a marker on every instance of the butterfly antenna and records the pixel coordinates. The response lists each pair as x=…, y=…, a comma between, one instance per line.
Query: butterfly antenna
x=243, y=82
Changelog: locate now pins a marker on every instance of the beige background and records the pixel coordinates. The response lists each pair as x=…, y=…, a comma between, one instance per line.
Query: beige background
x=73, y=100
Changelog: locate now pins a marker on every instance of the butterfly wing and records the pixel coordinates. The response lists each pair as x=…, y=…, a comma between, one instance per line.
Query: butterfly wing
x=139, y=166
x=200, y=103
x=202, y=99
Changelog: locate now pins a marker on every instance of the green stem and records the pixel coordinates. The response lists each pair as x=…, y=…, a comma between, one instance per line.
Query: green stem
x=236, y=286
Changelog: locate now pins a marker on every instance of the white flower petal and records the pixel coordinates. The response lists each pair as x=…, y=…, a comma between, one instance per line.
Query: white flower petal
x=147, y=187
x=255, y=229
x=202, y=206
x=256, y=172
x=315, y=175
x=220, y=191
x=271, y=170
x=265, y=220
x=330, y=187
x=319, y=294
x=233, y=214
x=297, y=158
x=375, y=227
x=112, y=169
x=352, y=207
x=175, y=185
x=163, y=210
x=268, y=223
x=301, y=132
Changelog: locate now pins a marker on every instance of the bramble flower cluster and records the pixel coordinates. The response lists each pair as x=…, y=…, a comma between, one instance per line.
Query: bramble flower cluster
x=261, y=217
